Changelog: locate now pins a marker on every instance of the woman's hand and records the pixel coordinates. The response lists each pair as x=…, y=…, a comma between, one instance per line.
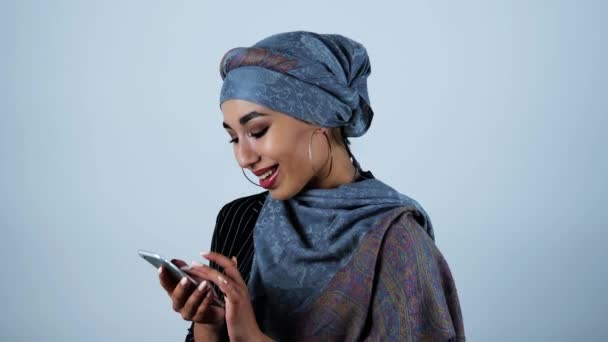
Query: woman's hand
x=240, y=319
x=197, y=304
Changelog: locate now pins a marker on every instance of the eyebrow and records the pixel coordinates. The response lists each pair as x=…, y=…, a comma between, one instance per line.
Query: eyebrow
x=246, y=118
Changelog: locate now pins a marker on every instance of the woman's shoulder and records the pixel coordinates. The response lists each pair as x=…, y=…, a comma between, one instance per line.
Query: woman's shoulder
x=237, y=218
x=244, y=205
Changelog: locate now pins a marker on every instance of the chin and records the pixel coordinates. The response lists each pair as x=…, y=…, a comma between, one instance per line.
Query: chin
x=282, y=193
x=279, y=195
x=286, y=190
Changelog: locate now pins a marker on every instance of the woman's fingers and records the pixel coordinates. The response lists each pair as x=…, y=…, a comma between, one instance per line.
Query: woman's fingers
x=180, y=294
x=194, y=301
x=223, y=281
x=197, y=272
x=166, y=280
x=200, y=273
x=230, y=266
x=219, y=259
x=227, y=285
x=179, y=263
x=207, y=312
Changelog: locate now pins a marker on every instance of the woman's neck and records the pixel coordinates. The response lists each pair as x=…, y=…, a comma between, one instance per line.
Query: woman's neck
x=342, y=171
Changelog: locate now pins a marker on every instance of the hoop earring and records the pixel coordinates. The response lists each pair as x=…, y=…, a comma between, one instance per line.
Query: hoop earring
x=244, y=174
x=330, y=155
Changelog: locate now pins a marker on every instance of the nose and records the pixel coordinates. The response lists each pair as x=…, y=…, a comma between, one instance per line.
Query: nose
x=246, y=155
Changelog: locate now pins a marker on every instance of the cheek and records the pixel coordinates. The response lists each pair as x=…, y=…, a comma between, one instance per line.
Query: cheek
x=294, y=151
x=289, y=150
x=281, y=147
x=295, y=155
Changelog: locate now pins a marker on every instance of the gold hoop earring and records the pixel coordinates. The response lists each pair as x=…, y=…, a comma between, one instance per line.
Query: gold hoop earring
x=330, y=155
x=244, y=174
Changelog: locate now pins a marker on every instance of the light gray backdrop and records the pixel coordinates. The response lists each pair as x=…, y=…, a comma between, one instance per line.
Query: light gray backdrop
x=492, y=114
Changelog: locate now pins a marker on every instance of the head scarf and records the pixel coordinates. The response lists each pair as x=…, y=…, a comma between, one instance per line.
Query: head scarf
x=317, y=78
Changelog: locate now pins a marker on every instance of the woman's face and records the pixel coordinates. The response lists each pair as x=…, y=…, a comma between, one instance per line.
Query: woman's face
x=274, y=146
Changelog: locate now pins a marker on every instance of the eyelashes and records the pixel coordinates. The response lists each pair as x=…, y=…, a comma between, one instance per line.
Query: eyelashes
x=260, y=133
x=256, y=135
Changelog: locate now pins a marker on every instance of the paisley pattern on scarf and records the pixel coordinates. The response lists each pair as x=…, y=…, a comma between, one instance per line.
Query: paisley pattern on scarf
x=397, y=287
x=303, y=244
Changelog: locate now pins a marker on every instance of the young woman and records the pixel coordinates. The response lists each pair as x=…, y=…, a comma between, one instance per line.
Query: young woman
x=328, y=252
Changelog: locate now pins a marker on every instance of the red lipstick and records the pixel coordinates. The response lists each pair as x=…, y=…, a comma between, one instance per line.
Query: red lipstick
x=269, y=181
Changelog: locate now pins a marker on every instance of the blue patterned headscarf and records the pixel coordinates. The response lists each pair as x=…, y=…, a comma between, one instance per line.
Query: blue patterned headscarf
x=317, y=78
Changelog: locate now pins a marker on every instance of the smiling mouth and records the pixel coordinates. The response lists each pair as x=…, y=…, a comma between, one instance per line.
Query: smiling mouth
x=269, y=178
x=268, y=173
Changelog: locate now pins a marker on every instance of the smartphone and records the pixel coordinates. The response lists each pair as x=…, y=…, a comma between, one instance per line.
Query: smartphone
x=158, y=260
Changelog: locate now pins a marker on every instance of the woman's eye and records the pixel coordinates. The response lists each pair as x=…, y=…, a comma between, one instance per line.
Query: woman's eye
x=259, y=134
x=256, y=135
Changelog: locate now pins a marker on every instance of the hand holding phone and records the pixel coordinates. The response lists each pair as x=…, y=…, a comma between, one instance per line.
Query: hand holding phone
x=199, y=303
x=158, y=260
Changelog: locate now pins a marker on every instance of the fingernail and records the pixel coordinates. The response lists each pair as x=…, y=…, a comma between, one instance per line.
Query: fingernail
x=196, y=263
x=160, y=270
x=183, y=281
x=234, y=259
x=202, y=285
x=185, y=268
x=204, y=253
x=222, y=279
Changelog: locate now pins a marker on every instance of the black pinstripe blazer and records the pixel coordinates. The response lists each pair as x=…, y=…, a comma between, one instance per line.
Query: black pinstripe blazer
x=233, y=236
